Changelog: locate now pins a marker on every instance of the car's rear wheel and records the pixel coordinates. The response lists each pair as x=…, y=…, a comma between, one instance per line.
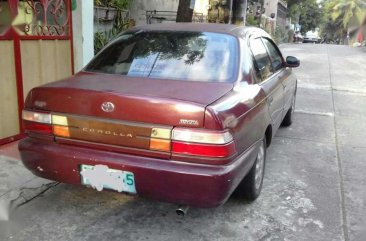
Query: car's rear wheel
x=251, y=186
x=287, y=121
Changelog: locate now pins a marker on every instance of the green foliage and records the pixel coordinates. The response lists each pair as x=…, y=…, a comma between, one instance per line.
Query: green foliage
x=102, y=38
x=308, y=12
x=251, y=20
x=330, y=28
x=340, y=15
x=281, y=35
x=294, y=8
x=119, y=4
x=347, y=11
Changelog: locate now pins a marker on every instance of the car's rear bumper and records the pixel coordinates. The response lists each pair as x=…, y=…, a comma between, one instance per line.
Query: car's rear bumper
x=311, y=41
x=166, y=180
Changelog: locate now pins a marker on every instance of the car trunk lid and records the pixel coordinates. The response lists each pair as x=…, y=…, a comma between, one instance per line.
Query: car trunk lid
x=164, y=102
x=145, y=110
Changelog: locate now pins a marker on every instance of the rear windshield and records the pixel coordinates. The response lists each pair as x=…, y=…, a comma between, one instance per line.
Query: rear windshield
x=191, y=56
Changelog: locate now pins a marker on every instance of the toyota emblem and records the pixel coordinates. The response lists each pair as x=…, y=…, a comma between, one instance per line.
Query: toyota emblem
x=107, y=106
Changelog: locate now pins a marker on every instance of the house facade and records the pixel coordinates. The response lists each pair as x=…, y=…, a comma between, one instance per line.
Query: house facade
x=276, y=11
x=157, y=11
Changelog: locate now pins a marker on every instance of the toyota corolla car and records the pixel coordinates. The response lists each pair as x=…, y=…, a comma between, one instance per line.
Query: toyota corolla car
x=181, y=113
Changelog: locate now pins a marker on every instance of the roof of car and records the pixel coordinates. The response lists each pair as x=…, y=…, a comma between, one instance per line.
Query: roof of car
x=207, y=27
x=203, y=27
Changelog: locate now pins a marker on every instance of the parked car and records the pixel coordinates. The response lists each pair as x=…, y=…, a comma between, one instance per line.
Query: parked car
x=298, y=38
x=181, y=113
x=312, y=37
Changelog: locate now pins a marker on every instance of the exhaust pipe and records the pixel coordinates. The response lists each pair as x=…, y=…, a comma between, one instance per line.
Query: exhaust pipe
x=182, y=210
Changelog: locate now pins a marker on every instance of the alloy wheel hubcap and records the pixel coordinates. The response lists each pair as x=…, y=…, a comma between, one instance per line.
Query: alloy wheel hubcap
x=259, y=167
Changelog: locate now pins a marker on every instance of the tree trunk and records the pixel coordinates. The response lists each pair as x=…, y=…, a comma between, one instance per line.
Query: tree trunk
x=184, y=13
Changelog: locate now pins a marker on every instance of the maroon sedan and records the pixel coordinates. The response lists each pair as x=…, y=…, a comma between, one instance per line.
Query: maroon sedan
x=181, y=113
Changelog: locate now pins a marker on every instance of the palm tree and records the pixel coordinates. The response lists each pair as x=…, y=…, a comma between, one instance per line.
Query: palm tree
x=347, y=11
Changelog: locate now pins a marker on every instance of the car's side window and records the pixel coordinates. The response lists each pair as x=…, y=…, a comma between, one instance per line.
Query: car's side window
x=250, y=74
x=276, y=57
x=261, y=58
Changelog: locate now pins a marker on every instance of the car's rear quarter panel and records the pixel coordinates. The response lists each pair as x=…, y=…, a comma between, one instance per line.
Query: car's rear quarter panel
x=244, y=112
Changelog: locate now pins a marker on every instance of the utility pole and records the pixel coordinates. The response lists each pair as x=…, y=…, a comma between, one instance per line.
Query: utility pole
x=231, y=12
x=260, y=14
x=245, y=12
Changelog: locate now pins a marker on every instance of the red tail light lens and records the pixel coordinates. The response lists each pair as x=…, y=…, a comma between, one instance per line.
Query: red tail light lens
x=204, y=150
x=202, y=143
x=39, y=122
x=37, y=127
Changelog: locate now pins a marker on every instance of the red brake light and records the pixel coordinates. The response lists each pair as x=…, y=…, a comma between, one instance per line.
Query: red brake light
x=37, y=127
x=204, y=150
x=205, y=143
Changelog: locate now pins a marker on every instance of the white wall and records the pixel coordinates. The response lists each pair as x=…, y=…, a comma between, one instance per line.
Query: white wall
x=83, y=34
x=138, y=8
x=201, y=6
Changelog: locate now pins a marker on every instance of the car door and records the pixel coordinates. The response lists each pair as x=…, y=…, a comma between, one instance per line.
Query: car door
x=280, y=72
x=268, y=80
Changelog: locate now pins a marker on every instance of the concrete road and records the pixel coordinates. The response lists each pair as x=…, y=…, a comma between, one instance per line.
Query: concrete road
x=314, y=187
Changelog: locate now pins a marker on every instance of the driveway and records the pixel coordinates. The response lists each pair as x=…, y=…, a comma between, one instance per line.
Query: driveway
x=314, y=187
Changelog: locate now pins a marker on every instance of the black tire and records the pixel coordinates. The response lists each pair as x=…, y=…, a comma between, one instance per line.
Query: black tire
x=248, y=188
x=287, y=120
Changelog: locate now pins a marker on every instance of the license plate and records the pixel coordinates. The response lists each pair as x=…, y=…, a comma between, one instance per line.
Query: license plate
x=100, y=177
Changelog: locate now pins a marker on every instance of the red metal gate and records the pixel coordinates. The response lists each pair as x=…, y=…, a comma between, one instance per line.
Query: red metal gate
x=35, y=48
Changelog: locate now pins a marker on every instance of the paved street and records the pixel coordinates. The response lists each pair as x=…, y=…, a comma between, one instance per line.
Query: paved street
x=314, y=187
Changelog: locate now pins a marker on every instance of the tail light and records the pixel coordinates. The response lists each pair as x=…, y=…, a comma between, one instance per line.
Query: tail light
x=39, y=122
x=202, y=143
x=58, y=125
x=160, y=139
x=183, y=141
x=45, y=123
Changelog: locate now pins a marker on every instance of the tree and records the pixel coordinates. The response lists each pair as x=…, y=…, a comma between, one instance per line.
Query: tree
x=308, y=12
x=310, y=16
x=340, y=15
x=331, y=29
x=185, y=12
x=347, y=11
x=294, y=9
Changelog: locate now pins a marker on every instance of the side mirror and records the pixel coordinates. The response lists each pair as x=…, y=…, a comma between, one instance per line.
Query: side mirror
x=292, y=62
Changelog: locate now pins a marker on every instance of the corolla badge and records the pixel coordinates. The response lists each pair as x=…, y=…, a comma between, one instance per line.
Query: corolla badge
x=107, y=106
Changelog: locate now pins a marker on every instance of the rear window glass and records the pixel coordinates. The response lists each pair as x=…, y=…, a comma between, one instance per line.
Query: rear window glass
x=191, y=56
